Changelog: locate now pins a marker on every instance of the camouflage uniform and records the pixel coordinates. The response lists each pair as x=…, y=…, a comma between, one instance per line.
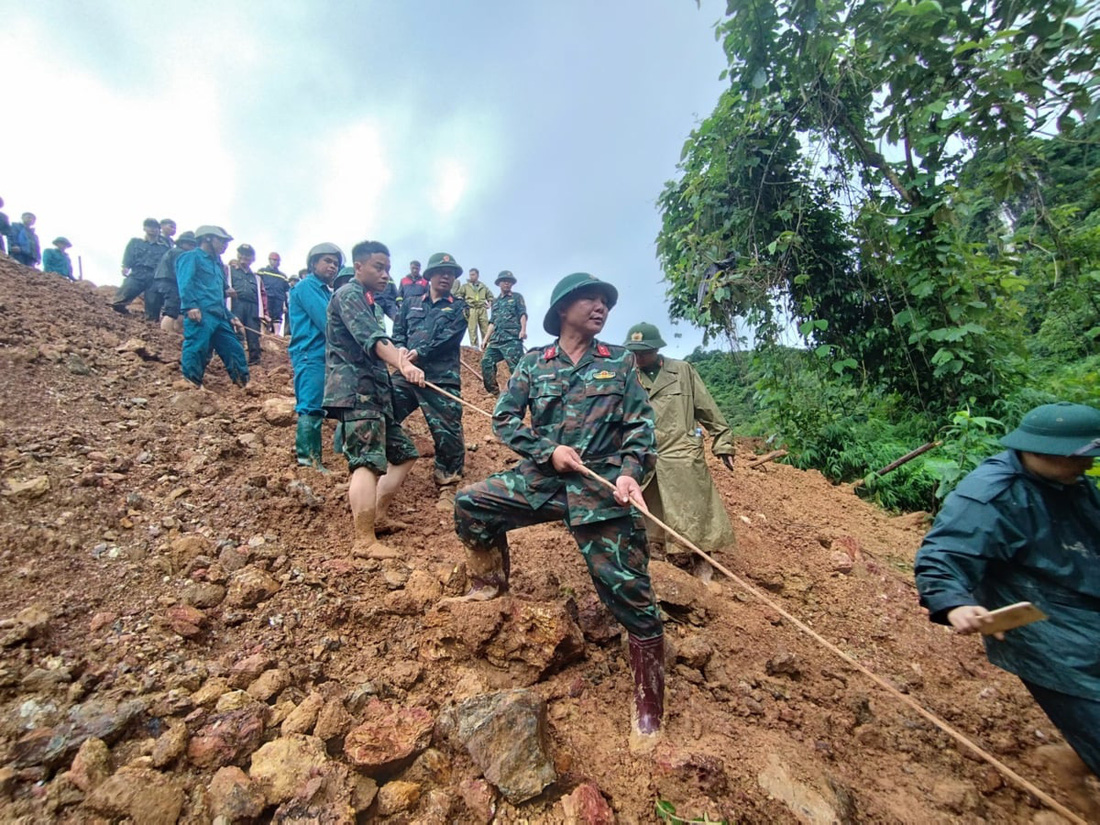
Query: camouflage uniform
x=505, y=344
x=598, y=408
x=357, y=383
x=435, y=331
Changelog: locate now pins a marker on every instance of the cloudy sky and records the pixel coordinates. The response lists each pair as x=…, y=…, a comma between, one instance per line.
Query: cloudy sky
x=527, y=136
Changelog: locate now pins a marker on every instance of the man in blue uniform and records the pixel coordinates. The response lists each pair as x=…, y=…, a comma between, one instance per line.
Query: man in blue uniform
x=207, y=324
x=1025, y=526
x=308, y=318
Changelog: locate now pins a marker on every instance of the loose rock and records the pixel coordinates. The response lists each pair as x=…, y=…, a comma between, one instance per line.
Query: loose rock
x=280, y=766
x=389, y=737
x=142, y=794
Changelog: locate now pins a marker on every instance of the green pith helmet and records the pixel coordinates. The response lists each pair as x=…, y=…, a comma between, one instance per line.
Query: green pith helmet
x=441, y=260
x=567, y=286
x=1058, y=429
x=505, y=275
x=644, y=336
x=325, y=249
x=342, y=277
x=61, y=239
x=187, y=237
x=213, y=231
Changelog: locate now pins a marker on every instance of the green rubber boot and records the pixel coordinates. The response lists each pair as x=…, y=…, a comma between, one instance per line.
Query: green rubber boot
x=307, y=442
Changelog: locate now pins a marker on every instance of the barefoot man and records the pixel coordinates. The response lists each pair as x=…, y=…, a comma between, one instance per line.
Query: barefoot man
x=358, y=395
x=586, y=405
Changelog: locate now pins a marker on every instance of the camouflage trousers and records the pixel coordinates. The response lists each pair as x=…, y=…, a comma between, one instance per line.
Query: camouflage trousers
x=510, y=350
x=444, y=418
x=614, y=550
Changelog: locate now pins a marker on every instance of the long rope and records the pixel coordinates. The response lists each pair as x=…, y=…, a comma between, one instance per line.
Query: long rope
x=1014, y=777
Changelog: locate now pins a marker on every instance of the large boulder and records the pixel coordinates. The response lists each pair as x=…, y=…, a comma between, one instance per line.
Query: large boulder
x=389, y=737
x=505, y=735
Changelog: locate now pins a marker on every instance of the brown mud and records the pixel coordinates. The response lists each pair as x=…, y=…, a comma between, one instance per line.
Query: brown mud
x=127, y=496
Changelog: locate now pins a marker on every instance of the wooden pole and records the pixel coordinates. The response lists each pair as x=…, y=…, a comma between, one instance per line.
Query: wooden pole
x=80, y=267
x=764, y=459
x=893, y=465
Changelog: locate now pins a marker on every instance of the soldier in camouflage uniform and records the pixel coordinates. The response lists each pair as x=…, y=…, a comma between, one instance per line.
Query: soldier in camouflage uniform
x=586, y=404
x=507, y=330
x=432, y=325
x=358, y=394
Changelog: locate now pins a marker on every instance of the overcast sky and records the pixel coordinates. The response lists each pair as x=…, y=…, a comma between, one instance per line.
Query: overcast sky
x=527, y=136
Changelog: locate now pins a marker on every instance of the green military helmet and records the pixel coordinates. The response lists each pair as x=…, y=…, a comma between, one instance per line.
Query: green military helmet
x=61, y=239
x=566, y=287
x=212, y=231
x=505, y=275
x=187, y=237
x=342, y=277
x=325, y=249
x=1060, y=429
x=438, y=261
x=643, y=337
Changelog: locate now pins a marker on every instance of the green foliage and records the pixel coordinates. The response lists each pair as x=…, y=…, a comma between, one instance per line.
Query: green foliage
x=666, y=812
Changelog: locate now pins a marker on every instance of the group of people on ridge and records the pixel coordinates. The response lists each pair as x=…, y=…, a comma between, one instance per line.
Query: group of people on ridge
x=19, y=240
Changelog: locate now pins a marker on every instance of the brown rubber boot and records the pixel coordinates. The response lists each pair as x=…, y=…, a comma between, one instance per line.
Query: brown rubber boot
x=487, y=572
x=647, y=662
x=366, y=544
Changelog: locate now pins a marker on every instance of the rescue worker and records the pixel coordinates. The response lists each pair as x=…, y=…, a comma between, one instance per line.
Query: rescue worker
x=478, y=298
x=57, y=259
x=1025, y=526
x=412, y=284
x=23, y=242
x=207, y=324
x=5, y=230
x=168, y=232
x=163, y=295
x=586, y=405
x=277, y=287
x=432, y=326
x=248, y=303
x=681, y=493
x=358, y=395
x=507, y=330
x=309, y=317
x=139, y=262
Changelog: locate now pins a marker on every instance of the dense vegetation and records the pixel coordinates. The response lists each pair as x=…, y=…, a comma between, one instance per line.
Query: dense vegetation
x=912, y=189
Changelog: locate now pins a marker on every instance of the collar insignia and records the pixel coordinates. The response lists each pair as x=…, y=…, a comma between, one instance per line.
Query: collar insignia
x=603, y=351
x=549, y=352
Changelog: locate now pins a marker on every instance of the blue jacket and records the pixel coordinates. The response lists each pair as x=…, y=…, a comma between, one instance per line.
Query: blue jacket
x=308, y=312
x=54, y=260
x=1006, y=536
x=201, y=280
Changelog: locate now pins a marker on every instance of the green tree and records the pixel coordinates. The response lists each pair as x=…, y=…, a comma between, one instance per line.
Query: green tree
x=825, y=186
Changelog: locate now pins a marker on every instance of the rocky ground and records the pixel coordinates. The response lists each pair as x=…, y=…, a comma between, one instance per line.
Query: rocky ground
x=185, y=637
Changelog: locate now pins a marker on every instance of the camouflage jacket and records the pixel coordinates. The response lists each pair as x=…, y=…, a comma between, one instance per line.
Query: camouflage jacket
x=435, y=331
x=597, y=407
x=354, y=375
x=507, y=310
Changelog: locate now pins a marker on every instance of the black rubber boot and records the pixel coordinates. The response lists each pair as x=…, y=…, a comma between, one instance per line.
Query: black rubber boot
x=647, y=662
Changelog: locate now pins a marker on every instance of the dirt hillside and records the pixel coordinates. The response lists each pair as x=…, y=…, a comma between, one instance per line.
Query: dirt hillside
x=177, y=602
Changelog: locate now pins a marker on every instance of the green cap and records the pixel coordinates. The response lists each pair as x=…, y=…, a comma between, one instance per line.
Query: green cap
x=186, y=237
x=505, y=275
x=342, y=277
x=644, y=336
x=441, y=260
x=566, y=287
x=1058, y=429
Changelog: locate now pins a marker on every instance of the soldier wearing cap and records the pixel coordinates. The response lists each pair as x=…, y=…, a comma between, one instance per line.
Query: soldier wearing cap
x=431, y=327
x=1025, y=526
x=358, y=394
x=208, y=325
x=681, y=493
x=507, y=330
x=57, y=259
x=163, y=295
x=478, y=298
x=308, y=319
x=249, y=304
x=586, y=405
x=139, y=262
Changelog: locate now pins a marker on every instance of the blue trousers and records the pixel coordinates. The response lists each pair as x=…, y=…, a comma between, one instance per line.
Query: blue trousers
x=212, y=334
x=309, y=386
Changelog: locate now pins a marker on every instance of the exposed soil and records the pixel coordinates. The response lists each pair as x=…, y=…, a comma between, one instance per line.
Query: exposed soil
x=763, y=725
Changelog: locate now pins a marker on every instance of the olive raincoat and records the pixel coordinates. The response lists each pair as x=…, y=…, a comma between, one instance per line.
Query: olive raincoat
x=682, y=493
